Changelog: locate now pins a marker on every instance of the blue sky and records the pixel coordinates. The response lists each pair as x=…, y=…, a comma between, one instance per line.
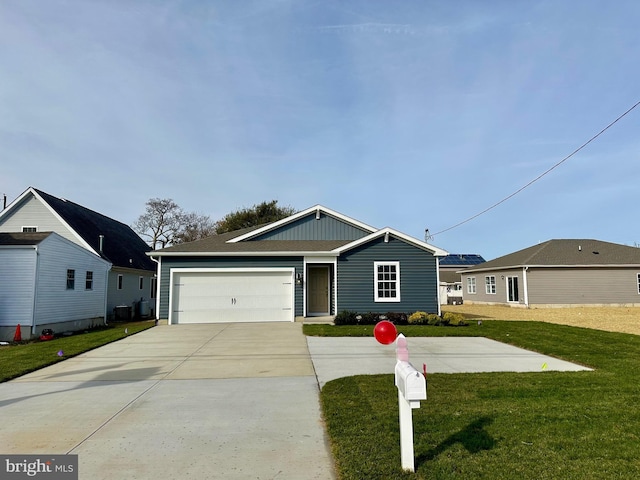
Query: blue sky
x=414, y=114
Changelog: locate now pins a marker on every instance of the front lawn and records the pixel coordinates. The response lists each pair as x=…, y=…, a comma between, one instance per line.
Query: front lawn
x=547, y=425
x=16, y=360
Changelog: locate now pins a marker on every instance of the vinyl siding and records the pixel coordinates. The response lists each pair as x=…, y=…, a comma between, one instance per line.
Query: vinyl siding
x=418, y=278
x=54, y=302
x=501, y=287
x=583, y=286
x=308, y=228
x=130, y=293
x=33, y=213
x=17, y=274
x=225, y=262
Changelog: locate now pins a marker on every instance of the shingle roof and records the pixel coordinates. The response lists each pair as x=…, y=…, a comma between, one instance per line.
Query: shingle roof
x=566, y=252
x=121, y=245
x=23, y=238
x=218, y=244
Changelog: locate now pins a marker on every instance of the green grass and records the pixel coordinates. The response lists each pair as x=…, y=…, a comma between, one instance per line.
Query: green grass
x=16, y=360
x=547, y=425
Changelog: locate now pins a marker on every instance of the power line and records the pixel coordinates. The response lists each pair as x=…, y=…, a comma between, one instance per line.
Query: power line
x=539, y=176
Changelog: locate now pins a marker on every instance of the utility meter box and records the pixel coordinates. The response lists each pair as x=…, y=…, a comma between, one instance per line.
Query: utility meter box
x=410, y=382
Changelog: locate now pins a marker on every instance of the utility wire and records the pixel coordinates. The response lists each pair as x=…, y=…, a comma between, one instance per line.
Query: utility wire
x=539, y=176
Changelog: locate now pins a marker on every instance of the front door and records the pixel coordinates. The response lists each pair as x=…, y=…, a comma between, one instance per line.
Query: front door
x=318, y=290
x=512, y=289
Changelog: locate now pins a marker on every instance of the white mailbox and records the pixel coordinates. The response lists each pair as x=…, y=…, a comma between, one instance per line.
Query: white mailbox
x=410, y=382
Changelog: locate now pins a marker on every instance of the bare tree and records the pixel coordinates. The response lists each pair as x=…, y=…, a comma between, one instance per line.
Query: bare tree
x=195, y=227
x=161, y=222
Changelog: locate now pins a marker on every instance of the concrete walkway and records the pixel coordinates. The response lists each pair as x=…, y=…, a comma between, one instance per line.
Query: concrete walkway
x=232, y=401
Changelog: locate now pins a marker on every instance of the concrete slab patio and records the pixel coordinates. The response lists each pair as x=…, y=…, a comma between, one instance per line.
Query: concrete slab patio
x=232, y=401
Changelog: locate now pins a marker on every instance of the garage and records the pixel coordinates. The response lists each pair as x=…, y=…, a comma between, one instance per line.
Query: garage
x=231, y=295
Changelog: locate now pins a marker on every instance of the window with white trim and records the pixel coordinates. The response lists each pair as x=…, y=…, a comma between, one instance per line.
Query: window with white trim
x=471, y=285
x=386, y=284
x=639, y=284
x=88, y=281
x=71, y=279
x=29, y=229
x=490, y=284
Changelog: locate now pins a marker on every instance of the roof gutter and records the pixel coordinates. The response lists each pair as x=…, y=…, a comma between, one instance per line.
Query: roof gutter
x=243, y=254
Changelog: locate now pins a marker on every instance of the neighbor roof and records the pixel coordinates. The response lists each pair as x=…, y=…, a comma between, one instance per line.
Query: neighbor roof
x=23, y=238
x=566, y=252
x=461, y=259
x=121, y=246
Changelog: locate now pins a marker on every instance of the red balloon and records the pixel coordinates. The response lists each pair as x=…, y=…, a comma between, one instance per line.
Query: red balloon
x=385, y=332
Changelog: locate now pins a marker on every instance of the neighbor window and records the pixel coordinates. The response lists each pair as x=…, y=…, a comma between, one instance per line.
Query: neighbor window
x=29, y=229
x=387, y=281
x=471, y=284
x=71, y=279
x=639, y=283
x=490, y=284
x=119, y=282
x=88, y=282
x=141, y=283
x=154, y=286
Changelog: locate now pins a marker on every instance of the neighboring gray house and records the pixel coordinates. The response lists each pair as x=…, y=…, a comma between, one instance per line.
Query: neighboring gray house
x=132, y=275
x=315, y=263
x=47, y=281
x=558, y=273
x=450, y=278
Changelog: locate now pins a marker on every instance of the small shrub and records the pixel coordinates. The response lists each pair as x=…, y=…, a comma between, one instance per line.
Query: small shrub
x=346, y=317
x=454, y=319
x=397, y=318
x=434, y=319
x=418, y=318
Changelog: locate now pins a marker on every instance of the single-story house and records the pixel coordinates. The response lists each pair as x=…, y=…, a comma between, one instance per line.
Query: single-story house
x=450, y=278
x=558, y=273
x=316, y=262
x=132, y=274
x=47, y=281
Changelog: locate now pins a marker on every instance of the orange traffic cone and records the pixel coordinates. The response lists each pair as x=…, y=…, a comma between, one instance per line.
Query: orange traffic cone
x=17, y=337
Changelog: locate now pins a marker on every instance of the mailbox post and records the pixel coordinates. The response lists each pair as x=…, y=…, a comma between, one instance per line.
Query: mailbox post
x=412, y=387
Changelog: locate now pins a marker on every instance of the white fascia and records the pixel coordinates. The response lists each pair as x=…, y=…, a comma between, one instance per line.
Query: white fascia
x=296, y=216
x=241, y=254
x=438, y=252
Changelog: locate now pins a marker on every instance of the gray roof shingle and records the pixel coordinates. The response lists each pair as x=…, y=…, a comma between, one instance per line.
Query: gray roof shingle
x=566, y=252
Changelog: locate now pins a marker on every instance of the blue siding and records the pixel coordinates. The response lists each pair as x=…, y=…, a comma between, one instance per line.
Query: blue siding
x=418, y=278
x=225, y=262
x=308, y=228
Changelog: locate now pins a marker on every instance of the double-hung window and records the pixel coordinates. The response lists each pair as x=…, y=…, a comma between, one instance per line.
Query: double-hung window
x=71, y=279
x=88, y=281
x=471, y=284
x=490, y=284
x=639, y=283
x=386, y=281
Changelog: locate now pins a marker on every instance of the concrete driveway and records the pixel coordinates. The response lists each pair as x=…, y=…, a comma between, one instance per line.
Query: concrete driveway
x=175, y=402
x=232, y=401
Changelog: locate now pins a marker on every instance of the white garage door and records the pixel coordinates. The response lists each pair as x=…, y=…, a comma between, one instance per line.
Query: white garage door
x=220, y=296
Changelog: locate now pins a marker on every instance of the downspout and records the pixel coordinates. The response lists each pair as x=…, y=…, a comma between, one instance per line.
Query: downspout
x=35, y=293
x=157, y=286
x=438, y=285
x=106, y=293
x=526, y=286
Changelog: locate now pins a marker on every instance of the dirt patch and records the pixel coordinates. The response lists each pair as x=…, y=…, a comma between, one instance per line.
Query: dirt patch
x=611, y=319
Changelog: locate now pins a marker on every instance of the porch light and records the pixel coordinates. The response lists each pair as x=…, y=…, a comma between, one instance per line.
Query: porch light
x=299, y=279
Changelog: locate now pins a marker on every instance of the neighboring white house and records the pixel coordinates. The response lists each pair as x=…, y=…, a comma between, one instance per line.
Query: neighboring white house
x=47, y=281
x=132, y=275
